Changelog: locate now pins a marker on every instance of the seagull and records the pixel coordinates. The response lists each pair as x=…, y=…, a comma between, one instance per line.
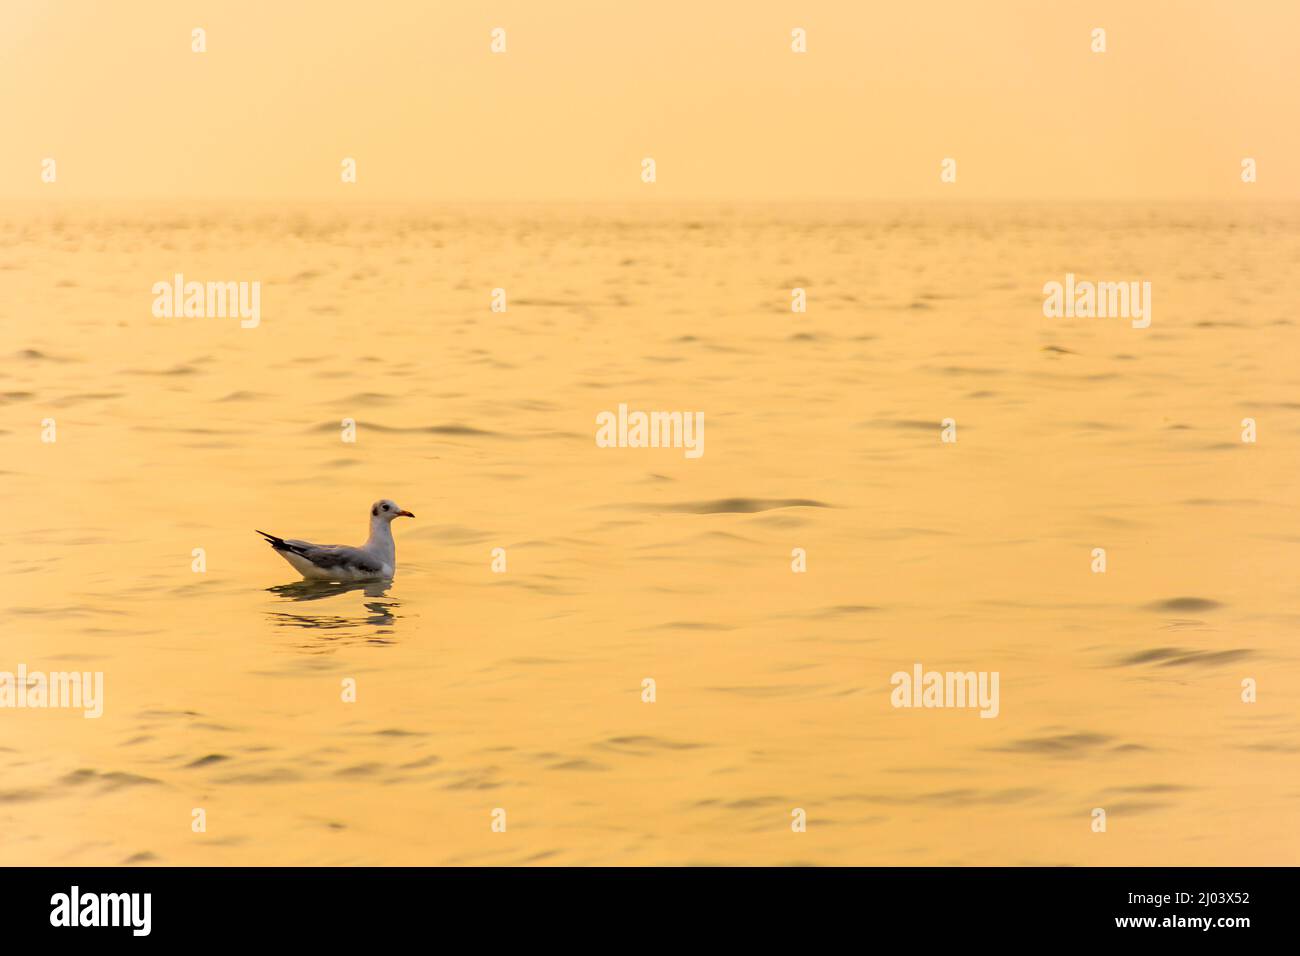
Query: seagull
x=374, y=560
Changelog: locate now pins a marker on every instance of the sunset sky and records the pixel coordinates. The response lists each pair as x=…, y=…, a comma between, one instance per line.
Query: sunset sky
x=711, y=91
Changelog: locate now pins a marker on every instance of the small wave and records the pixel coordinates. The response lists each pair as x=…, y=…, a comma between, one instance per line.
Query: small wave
x=732, y=505
x=1184, y=604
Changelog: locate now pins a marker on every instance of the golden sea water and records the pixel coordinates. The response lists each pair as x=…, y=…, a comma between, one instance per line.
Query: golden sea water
x=522, y=690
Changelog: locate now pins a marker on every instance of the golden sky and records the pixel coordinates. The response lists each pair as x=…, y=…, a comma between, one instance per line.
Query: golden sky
x=711, y=91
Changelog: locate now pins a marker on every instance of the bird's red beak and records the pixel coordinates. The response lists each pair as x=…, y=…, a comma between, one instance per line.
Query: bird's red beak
x=405, y=514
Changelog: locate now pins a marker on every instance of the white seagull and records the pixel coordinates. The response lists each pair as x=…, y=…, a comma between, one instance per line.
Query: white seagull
x=374, y=560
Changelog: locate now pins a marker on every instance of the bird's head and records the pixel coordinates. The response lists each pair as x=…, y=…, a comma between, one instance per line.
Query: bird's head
x=385, y=509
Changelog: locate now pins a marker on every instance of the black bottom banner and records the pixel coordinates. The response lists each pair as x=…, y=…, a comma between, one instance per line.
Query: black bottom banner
x=1222, y=907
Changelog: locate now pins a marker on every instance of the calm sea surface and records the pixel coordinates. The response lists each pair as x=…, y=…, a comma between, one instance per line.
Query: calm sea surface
x=522, y=690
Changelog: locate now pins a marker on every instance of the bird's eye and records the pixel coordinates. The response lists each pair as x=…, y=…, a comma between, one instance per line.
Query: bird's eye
x=385, y=507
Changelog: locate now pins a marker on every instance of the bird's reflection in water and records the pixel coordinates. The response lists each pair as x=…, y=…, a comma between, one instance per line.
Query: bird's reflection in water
x=316, y=590
x=381, y=613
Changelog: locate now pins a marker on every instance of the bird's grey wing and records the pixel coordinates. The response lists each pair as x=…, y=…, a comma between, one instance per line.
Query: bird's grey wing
x=337, y=557
x=328, y=557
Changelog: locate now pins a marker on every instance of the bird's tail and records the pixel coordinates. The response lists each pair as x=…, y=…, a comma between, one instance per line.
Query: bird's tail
x=277, y=543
